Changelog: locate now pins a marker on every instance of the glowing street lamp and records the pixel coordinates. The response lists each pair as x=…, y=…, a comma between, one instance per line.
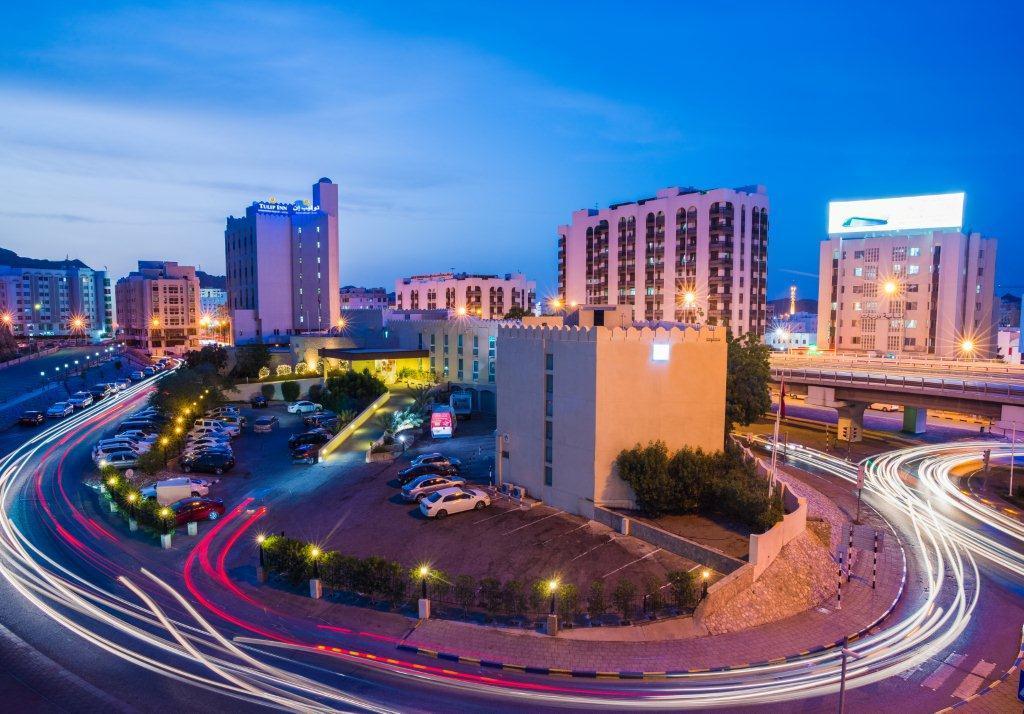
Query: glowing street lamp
x=967, y=347
x=342, y=323
x=890, y=287
x=424, y=574
x=704, y=583
x=552, y=590
x=461, y=311
x=689, y=298
x=155, y=322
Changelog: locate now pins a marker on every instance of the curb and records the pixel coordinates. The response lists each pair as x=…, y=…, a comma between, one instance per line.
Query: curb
x=627, y=674
x=995, y=683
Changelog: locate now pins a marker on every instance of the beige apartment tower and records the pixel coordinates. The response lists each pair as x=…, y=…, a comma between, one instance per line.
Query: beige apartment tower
x=572, y=398
x=900, y=276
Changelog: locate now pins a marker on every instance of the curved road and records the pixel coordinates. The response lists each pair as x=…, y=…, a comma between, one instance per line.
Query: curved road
x=97, y=621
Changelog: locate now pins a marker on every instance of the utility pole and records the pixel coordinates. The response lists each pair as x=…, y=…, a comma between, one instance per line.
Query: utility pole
x=1013, y=455
x=846, y=652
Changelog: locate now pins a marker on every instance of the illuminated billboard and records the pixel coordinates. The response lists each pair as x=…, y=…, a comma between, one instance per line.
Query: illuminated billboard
x=442, y=423
x=876, y=215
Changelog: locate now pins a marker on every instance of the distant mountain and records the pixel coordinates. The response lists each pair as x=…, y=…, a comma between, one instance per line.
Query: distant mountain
x=12, y=259
x=212, y=281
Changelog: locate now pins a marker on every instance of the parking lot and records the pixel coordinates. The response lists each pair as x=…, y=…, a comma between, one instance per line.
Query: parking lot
x=357, y=510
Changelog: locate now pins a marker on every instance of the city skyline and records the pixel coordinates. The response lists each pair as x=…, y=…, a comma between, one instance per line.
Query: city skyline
x=163, y=130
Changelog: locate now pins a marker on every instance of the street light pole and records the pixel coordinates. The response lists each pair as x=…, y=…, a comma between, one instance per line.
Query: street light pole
x=846, y=652
x=1013, y=454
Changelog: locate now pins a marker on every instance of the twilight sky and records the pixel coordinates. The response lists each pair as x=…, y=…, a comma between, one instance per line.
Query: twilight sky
x=461, y=135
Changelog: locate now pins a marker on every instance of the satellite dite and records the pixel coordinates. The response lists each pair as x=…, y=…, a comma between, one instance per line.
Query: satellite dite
x=904, y=213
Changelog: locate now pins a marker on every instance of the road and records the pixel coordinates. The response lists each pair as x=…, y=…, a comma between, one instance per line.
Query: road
x=114, y=637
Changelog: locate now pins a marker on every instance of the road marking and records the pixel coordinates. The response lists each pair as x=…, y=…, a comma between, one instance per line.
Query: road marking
x=610, y=539
x=943, y=671
x=572, y=530
x=527, y=525
x=634, y=562
x=496, y=515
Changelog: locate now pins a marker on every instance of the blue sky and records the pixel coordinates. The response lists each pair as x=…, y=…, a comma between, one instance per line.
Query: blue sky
x=462, y=134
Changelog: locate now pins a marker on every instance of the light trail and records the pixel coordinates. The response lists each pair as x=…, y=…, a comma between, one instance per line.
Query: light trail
x=139, y=630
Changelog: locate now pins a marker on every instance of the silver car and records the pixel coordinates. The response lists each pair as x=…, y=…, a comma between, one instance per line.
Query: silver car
x=427, y=484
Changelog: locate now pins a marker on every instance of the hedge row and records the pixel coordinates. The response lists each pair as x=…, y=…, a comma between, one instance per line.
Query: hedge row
x=388, y=581
x=147, y=512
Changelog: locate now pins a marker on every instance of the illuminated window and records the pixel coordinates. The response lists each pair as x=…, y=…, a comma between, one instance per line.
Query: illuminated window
x=660, y=352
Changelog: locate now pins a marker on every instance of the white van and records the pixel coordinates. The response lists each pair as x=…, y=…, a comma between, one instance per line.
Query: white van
x=231, y=429
x=217, y=431
x=173, y=490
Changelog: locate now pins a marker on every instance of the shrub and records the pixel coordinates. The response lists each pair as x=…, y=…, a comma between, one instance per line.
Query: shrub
x=645, y=469
x=315, y=390
x=394, y=583
x=465, y=592
x=268, y=391
x=652, y=594
x=683, y=588
x=513, y=598
x=251, y=360
x=623, y=597
x=263, y=373
x=596, y=604
x=490, y=595
x=568, y=601
x=150, y=462
x=283, y=370
x=290, y=390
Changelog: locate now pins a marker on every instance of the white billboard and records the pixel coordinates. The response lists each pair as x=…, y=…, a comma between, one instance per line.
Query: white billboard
x=943, y=210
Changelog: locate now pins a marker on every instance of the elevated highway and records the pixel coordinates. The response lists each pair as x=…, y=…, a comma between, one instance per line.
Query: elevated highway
x=849, y=384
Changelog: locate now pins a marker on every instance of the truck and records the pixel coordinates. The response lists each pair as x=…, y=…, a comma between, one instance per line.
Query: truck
x=173, y=490
x=442, y=422
x=461, y=403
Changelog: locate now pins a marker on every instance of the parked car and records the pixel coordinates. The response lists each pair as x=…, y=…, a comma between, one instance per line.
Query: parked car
x=197, y=509
x=138, y=425
x=424, y=485
x=306, y=453
x=120, y=460
x=148, y=371
x=80, y=400
x=435, y=457
x=259, y=402
x=203, y=444
x=171, y=490
x=192, y=451
x=218, y=412
x=312, y=418
x=216, y=431
x=313, y=436
x=453, y=500
x=208, y=462
x=304, y=407
x=124, y=383
x=413, y=472
x=265, y=424
x=229, y=429
x=60, y=409
x=99, y=391
x=137, y=376
x=236, y=420
x=101, y=452
x=31, y=418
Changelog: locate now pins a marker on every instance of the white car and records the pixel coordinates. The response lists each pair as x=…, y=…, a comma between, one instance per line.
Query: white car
x=231, y=429
x=80, y=400
x=226, y=410
x=171, y=490
x=116, y=444
x=60, y=409
x=137, y=436
x=120, y=460
x=304, y=407
x=434, y=457
x=453, y=500
x=206, y=442
x=200, y=431
x=427, y=484
x=102, y=451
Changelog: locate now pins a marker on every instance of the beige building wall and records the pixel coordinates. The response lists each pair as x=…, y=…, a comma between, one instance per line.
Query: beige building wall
x=158, y=308
x=607, y=393
x=945, y=284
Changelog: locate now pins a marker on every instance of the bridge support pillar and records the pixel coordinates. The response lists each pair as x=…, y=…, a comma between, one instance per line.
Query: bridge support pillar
x=851, y=422
x=915, y=420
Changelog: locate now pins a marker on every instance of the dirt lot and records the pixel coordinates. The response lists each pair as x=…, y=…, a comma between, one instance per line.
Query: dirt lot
x=357, y=510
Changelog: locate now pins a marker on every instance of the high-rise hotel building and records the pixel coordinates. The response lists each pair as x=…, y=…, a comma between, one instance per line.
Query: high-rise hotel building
x=282, y=266
x=899, y=275
x=683, y=255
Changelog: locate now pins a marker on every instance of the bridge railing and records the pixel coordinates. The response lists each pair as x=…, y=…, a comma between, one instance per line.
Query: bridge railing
x=945, y=386
x=935, y=365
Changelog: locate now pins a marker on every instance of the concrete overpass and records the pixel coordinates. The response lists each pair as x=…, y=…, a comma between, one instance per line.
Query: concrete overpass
x=850, y=384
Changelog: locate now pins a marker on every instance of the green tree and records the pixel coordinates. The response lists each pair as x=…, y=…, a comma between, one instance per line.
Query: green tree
x=746, y=387
x=213, y=355
x=150, y=462
x=596, y=603
x=683, y=588
x=652, y=594
x=516, y=313
x=268, y=391
x=624, y=596
x=645, y=469
x=465, y=592
x=568, y=602
x=290, y=390
x=490, y=596
x=249, y=359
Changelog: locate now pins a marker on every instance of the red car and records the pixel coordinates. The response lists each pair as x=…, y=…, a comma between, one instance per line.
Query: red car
x=197, y=509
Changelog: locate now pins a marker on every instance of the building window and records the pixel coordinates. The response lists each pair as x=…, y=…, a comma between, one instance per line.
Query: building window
x=915, y=252
x=913, y=269
x=899, y=254
x=549, y=361
x=548, y=479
